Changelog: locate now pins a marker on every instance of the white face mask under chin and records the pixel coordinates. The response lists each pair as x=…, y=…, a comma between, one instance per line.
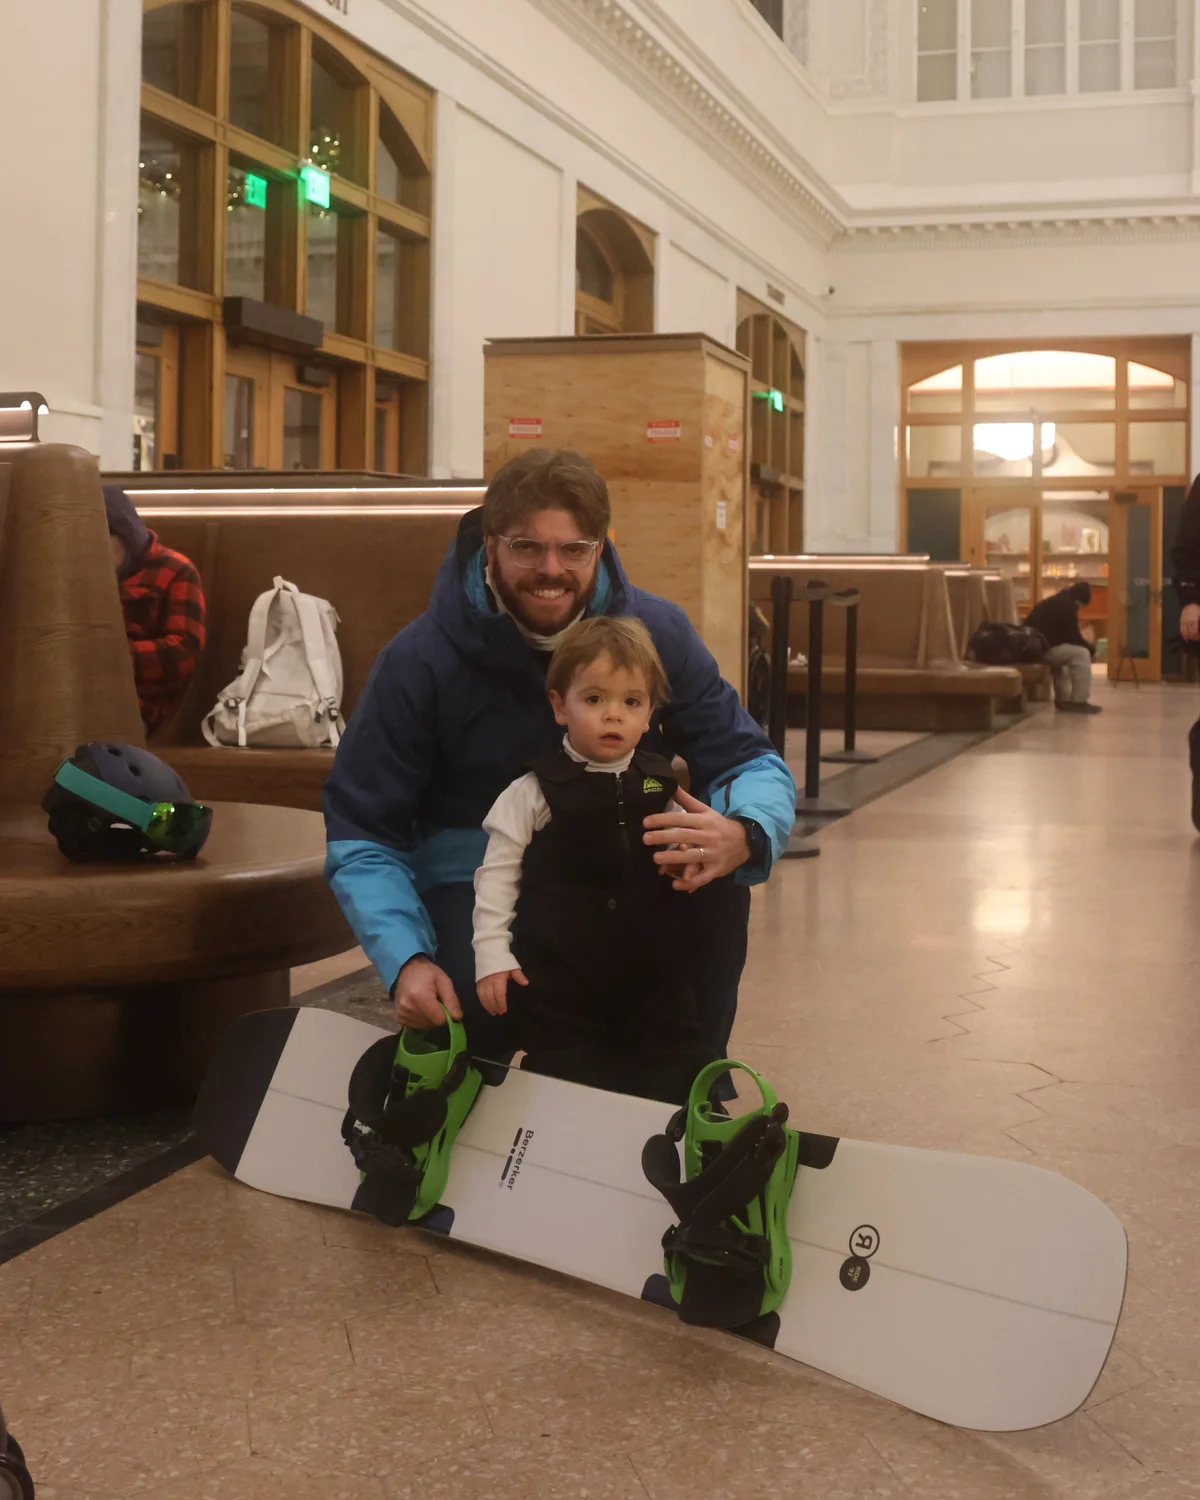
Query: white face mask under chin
x=539, y=642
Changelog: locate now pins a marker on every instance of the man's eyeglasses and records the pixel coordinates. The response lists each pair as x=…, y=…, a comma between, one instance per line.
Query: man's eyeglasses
x=527, y=553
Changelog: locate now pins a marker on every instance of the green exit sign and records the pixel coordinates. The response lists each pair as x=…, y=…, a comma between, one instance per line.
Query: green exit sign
x=774, y=397
x=254, y=190
x=316, y=185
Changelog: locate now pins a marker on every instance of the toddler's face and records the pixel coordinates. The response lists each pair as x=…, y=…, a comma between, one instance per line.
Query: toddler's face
x=606, y=709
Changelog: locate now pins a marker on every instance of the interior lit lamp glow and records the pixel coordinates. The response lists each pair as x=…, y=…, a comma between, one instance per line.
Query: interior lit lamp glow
x=1011, y=440
x=316, y=185
x=254, y=190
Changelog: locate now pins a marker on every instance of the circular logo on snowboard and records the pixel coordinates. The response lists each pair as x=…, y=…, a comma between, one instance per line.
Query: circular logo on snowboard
x=855, y=1273
x=864, y=1241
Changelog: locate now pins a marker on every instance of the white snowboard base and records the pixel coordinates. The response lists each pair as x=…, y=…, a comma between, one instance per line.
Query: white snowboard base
x=982, y=1292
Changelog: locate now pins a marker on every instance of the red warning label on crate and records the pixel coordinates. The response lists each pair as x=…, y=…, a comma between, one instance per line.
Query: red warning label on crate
x=664, y=431
x=525, y=427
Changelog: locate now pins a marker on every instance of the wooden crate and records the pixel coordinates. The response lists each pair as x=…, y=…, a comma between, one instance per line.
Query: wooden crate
x=663, y=417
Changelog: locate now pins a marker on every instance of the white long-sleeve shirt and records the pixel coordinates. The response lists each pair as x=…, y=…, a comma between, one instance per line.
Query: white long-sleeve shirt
x=516, y=815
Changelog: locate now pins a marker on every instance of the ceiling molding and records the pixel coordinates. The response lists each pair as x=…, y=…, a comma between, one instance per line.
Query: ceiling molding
x=1010, y=232
x=670, y=77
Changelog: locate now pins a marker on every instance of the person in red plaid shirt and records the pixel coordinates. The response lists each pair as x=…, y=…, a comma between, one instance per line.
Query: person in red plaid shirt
x=163, y=605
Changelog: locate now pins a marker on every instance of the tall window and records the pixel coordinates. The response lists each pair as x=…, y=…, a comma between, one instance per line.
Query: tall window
x=283, y=234
x=995, y=49
x=775, y=349
x=772, y=13
x=614, y=270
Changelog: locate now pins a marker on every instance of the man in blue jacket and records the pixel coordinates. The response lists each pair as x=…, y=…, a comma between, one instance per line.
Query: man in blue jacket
x=455, y=708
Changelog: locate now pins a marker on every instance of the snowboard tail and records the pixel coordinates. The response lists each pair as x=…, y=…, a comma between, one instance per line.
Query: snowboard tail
x=978, y=1291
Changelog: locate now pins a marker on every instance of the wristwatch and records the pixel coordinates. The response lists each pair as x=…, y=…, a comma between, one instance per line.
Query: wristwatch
x=760, y=845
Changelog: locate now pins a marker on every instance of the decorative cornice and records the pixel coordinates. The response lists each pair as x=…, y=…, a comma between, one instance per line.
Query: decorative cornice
x=609, y=29
x=1008, y=232
x=666, y=80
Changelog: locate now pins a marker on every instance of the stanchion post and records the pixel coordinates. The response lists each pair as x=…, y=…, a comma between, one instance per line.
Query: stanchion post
x=798, y=846
x=813, y=804
x=781, y=612
x=850, y=753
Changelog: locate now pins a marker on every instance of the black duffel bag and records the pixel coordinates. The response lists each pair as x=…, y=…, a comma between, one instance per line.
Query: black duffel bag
x=998, y=645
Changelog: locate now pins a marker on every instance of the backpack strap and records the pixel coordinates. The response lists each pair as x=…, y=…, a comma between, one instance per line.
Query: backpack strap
x=317, y=656
x=237, y=695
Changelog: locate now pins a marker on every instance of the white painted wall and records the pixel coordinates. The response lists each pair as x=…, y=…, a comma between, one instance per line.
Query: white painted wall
x=68, y=108
x=694, y=298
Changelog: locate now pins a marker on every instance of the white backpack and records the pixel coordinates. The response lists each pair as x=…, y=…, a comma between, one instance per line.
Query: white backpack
x=289, y=692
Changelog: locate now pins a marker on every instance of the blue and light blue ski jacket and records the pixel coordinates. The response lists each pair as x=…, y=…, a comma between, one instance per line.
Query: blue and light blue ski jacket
x=455, y=708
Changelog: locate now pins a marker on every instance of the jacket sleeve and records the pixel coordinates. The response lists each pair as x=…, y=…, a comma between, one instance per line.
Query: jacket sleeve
x=733, y=764
x=1185, y=554
x=165, y=663
x=372, y=800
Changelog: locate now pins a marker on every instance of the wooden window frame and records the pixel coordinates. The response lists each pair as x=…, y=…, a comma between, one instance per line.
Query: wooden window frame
x=206, y=128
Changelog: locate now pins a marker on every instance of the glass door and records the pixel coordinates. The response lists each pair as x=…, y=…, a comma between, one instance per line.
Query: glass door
x=1005, y=538
x=247, y=408
x=303, y=415
x=1075, y=549
x=1135, y=633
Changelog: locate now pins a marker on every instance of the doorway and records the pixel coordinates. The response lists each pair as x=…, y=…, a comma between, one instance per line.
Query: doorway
x=279, y=413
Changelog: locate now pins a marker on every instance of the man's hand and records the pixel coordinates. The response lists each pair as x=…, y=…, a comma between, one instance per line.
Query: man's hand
x=712, y=844
x=492, y=990
x=420, y=991
x=1189, y=622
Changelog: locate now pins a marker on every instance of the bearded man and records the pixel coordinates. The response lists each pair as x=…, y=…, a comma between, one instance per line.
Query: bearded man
x=456, y=708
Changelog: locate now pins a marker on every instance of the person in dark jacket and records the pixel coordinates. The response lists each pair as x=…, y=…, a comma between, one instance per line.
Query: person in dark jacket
x=1070, y=654
x=455, y=708
x=163, y=605
x=1185, y=564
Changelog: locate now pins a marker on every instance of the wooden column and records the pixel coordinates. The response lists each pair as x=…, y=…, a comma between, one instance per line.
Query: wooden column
x=64, y=657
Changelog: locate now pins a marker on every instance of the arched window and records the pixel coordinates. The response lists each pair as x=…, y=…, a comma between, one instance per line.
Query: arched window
x=775, y=349
x=283, y=245
x=1040, y=464
x=614, y=270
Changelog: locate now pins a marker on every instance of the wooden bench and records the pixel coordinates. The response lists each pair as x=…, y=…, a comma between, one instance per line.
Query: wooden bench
x=117, y=979
x=374, y=562
x=996, y=596
x=910, y=672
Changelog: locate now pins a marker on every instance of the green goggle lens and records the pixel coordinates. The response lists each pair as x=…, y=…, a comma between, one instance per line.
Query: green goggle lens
x=178, y=827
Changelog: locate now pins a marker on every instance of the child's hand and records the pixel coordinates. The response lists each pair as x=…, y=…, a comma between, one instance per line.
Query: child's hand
x=492, y=990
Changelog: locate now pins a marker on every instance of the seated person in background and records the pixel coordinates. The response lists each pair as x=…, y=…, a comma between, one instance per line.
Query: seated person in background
x=1070, y=654
x=163, y=605
x=599, y=992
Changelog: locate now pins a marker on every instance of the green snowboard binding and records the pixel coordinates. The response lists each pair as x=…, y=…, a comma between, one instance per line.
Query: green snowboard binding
x=408, y=1101
x=728, y=1260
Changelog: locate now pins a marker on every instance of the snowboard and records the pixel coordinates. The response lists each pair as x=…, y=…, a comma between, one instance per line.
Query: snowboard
x=981, y=1292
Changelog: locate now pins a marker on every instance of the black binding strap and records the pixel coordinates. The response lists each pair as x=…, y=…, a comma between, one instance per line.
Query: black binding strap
x=724, y=1283
x=383, y=1125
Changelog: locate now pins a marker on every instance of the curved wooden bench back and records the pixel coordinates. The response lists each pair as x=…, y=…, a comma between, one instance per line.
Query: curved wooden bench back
x=64, y=659
x=375, y=569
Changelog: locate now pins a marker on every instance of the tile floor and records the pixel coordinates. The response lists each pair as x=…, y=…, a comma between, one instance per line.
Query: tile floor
x=1001, y=957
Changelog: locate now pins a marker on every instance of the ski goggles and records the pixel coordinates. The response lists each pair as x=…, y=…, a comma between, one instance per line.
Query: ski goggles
x=174, y=827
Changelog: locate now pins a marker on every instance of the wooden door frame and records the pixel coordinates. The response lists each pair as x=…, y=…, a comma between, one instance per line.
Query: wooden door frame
x=1118, y=556
x=973, y=511
x=253, y=364
x=284, y=376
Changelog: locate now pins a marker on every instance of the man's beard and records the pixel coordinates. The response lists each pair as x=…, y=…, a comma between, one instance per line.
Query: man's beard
x=513, y=599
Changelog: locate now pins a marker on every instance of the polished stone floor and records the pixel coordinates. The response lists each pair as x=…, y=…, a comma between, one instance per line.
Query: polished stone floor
x=1002, y=956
